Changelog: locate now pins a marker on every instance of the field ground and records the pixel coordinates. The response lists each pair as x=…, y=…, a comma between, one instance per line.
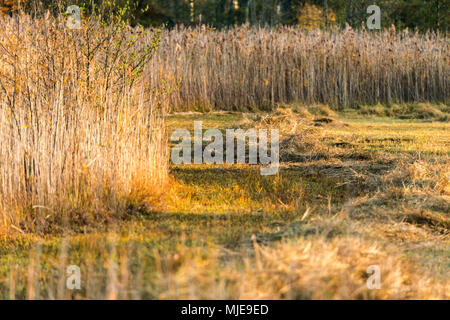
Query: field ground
x=353, y=190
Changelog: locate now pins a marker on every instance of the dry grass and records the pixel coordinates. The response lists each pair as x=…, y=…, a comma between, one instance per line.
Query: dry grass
x=422, y=111
x=314, y=268
x=225, y=232
x=79, y=132
x=83, y=148
x=247, y=68
x=318, y=269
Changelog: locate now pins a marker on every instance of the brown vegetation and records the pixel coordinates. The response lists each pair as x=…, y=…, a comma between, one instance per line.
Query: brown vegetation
x=244, y=68
x=83, y=147
x=80, y=132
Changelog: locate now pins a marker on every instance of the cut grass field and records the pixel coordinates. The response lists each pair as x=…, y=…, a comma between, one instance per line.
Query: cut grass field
x=352, y=191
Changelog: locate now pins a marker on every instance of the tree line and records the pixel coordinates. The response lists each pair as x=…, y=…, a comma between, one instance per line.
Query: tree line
x=413, y=14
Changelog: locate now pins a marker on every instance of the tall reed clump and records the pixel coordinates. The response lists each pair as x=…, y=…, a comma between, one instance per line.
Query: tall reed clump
x=82, y=136
x=258, y=68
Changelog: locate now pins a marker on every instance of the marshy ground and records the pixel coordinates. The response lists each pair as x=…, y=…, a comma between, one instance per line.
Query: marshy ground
x=355, y=188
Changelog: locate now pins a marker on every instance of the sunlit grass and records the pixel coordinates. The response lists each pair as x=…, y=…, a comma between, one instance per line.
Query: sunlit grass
x=224, y=231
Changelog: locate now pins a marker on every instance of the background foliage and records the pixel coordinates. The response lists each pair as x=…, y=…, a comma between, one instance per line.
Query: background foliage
x=420, y=14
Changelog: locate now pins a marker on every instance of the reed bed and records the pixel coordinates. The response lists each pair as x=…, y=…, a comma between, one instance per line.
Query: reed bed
x=244, y=68
x=81, y=136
